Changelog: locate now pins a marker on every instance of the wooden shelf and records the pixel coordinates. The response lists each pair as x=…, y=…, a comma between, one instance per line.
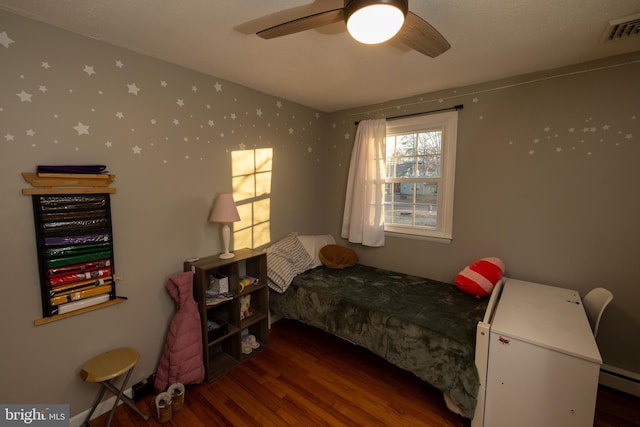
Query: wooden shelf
x=57, y=317
x=67, y=183
x=223, y=353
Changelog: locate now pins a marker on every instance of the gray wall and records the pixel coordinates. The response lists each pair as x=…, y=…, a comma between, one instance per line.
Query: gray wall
x=546, y=179
x=165, y=189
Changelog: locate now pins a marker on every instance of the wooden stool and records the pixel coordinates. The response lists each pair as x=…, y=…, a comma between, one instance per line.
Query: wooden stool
x=107, y=367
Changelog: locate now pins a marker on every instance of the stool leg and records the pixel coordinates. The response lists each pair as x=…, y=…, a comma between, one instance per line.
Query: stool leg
x=126, y=400
x=87, y=420
x=119, y=394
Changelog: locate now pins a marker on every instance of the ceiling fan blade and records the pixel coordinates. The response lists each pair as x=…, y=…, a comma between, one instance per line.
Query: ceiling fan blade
x=421, y=36
x=303, y=24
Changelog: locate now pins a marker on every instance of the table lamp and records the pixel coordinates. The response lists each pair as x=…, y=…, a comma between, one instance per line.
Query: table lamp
x=225, y=212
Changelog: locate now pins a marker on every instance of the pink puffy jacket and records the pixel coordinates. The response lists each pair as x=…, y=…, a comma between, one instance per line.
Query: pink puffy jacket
x=181, y=360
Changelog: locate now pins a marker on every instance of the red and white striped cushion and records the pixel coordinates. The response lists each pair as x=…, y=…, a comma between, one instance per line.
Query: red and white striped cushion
x=480, y=277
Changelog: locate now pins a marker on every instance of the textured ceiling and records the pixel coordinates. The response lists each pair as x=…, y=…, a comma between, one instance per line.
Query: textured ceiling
x=326, y=69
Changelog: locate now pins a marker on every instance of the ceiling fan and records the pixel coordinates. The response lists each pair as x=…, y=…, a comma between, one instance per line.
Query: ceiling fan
x=371, y=17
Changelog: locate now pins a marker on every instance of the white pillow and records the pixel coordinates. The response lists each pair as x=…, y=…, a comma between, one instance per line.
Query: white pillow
x=313, y=243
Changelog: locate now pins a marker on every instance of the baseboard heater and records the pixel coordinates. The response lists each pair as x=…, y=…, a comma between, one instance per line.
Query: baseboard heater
x=620, y=379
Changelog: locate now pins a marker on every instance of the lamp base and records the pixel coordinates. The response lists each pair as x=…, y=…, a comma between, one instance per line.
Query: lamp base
x=227, y=255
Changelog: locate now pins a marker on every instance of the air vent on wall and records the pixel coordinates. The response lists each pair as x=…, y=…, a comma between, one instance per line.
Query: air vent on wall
x=622, y=28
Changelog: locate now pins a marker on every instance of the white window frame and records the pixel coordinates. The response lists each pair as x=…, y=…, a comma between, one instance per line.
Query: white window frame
x=448, y=123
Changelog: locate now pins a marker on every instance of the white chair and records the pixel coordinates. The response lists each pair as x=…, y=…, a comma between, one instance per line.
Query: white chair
x=594, y=304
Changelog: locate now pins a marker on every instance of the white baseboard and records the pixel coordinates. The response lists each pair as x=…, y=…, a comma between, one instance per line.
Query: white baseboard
x=102, y=408
x=620, y=379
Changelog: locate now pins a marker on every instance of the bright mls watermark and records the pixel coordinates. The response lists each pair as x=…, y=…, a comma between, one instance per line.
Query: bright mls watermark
x=34, y=415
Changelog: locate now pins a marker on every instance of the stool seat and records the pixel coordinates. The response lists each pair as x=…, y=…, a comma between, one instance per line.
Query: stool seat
x=109, y=365
x=106, y=367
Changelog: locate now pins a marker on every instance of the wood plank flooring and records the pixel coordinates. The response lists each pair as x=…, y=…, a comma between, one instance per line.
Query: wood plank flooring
x=308, y=378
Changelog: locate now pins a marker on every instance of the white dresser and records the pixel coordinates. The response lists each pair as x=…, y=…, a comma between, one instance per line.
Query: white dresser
x=543, y=362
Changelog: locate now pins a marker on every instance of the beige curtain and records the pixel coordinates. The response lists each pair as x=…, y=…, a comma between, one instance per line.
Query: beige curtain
x=363, y=220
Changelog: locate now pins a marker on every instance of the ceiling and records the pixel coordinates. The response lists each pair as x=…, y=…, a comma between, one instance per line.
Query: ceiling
x=326, y=69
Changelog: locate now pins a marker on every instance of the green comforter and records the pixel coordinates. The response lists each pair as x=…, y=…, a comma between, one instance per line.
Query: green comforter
x=421, y=325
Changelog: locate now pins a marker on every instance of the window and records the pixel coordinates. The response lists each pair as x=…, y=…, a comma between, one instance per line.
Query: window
x=420, y=163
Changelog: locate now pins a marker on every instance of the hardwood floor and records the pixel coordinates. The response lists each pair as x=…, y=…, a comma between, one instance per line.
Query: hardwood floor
x=308, y=378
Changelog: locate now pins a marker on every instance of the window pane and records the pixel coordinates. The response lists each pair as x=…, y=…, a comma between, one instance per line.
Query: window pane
x=406, y=145
x=430, y=150
x=399, y=203
x=429, y=143
x=405, y=167
x=426, y=204
x=429, y=166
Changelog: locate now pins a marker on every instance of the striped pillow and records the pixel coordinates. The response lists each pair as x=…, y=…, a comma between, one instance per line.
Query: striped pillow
x=286, y=259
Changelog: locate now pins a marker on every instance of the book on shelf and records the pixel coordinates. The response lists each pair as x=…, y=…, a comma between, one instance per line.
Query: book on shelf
x=217, y=298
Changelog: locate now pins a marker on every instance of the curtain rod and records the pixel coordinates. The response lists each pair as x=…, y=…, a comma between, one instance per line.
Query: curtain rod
x=455, y=107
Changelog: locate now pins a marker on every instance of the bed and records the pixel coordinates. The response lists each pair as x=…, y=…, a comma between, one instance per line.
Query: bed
x=424, y=326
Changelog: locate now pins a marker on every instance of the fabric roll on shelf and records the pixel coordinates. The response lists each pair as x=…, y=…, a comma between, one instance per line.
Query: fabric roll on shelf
x=82, y=293
x=83, y=303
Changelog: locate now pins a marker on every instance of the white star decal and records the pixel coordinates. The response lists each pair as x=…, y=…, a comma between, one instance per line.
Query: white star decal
x=279, y=104
x=119, y=64
x=133, y=88
x=210, y=123
x=241, y=146
x=176, y=122
x=119, y=115
x=8, y=137
x=24, y=96
x=628, y=136
x=259, y=112
x=43, y=88
x=218, y=87
x=194, y=88
x=45, y=65
x=290, y=131
x=82, y=129
x=233, y=116
x=5, y=40
x=89, y=70
x=109, y=144
x=136, y=150
x=180, y=102
x=163, y=83
x=30, y=132
x=605, y=127
x=153, y=121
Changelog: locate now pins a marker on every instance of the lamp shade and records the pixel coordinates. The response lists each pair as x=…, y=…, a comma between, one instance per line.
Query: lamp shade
x=372, y=22
x=225, y=209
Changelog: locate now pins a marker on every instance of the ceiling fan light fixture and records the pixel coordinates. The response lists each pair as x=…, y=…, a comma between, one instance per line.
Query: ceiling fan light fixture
x=373, y=22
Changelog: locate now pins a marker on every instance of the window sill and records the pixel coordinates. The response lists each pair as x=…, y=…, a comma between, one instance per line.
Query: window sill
x=434, y=239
